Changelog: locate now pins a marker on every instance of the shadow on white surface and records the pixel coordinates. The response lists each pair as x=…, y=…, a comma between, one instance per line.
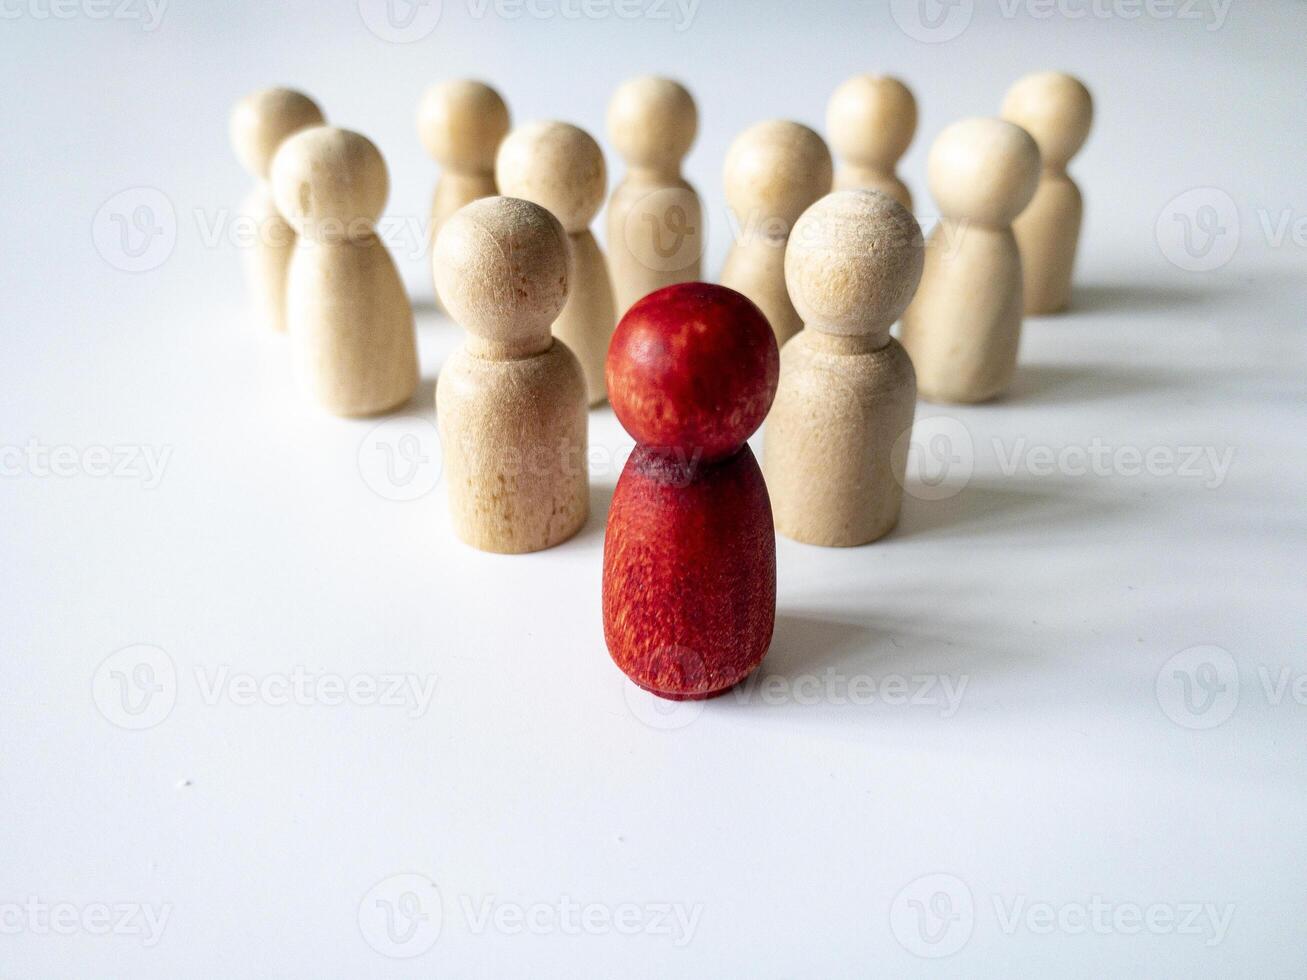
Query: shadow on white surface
x=601, y=498
x=1132, y=298
x=1047, y=384
x=808, y=640
x=987, y=505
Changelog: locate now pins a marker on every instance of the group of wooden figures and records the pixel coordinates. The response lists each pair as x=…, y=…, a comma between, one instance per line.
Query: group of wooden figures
x=798, y=332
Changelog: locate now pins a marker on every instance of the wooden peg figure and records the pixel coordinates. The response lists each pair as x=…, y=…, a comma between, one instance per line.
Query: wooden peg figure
x=1057, y=110
x=689, y=586
x=774, y=170
x=847, y=389
x=561, y=168
x=871, y=120
x=351, y=324
x=260, y=123
x=964, y=326
x=511, y=402
x=461, y=124
x=655, y=218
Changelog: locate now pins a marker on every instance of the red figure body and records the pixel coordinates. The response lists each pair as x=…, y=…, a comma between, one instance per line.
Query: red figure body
x=690, y=550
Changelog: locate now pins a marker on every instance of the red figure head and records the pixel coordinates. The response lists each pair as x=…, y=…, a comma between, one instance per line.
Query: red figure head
x=693, y=367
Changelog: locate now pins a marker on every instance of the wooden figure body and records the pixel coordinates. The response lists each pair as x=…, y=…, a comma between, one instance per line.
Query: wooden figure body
x=656, y=234
x=847, y=390
x=964, y=326
x=1057, y=110
x=351, y=324
x=870, y=121
x=260, y=123
x=689, y=586
x=461, y=124
x=773, y=171
x=561, y=168
x=511, y=402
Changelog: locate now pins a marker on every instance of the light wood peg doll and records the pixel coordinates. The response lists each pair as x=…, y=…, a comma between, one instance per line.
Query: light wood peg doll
x=561, y=168
x=511, y=402
x=773, y=171
x=1057, y=110
x=260, y=123
x=351, y=324
x=871, y=120
x=964, y=326
x=461, y=123
x=847, y=389
x=656, y=232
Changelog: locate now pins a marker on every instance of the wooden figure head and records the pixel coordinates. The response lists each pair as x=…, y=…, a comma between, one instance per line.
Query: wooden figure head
x=556, y=165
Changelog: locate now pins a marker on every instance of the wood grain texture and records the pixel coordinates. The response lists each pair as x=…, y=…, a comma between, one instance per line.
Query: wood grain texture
x=963, y=329
x=656, y=232
x=847, y=391
x=1058, y=111
x=511, y=402
x=561, y=168
x=774, y=170
x=689, y=586
x=351, y=323
x=259, y=124
x=689, y=582
x=461, y=123
x=870, y=121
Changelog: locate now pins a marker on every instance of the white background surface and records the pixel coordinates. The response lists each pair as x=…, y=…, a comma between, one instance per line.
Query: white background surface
x=788, y=825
